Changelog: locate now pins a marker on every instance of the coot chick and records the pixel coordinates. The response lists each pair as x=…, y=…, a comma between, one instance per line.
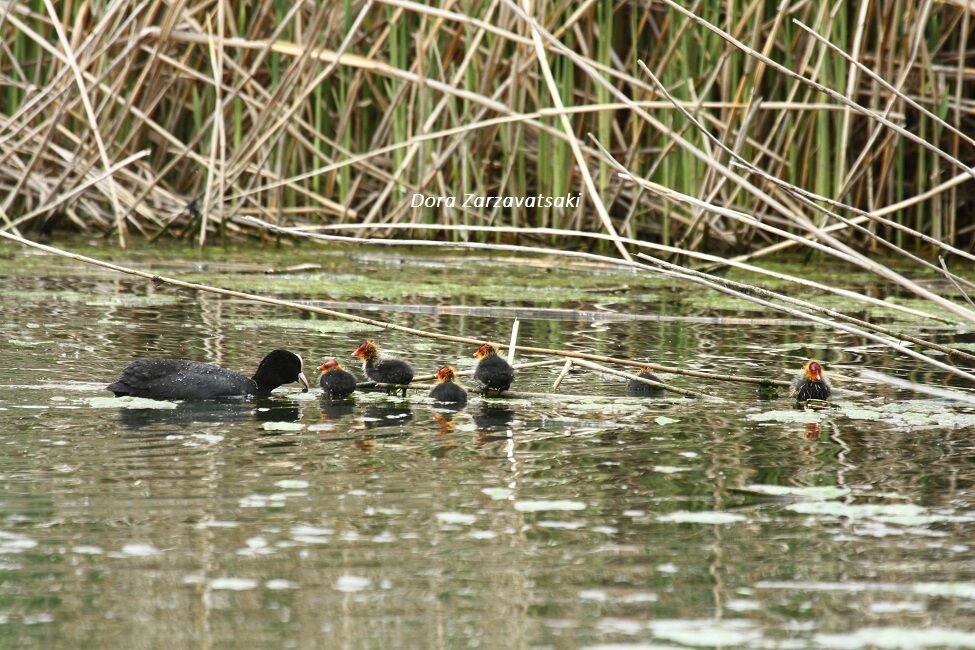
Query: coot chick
x=336, y=382
x=181, y=379
x=810, y=383
x=492, y=372
x=639, y=389
x=446, y=390
x=383, y=371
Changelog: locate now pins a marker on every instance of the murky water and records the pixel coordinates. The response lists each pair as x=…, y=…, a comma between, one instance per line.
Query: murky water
x=522, y=523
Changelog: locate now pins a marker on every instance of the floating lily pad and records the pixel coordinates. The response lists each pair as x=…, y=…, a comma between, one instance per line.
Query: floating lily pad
x=801, y=492
x=908, y=414
x=900, y=514
x=540, y=506
x=233, y=584
x=456, y=518
x=283, y=426
x=897, y=637
x=670, y=469
x=792, y=416
x=702, y=517
x=292, y=484
x=498, y=493
x=129, y=402
x=946, y=589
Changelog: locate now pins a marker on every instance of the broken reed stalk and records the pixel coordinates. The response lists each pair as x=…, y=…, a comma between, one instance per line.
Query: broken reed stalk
x=934, y=391
x=945, y=186
x=565, y=371
x=194, y=286
x=951, y=277
x=551, y=313
x=467, y=373
x=743, y=291
x=725, y=286
x=514, y=394
x=800, y=194
x=643, y=380
x=859, y=260
x=812, y=200
x=513, y=342
x=894, y=334
x=833, y=247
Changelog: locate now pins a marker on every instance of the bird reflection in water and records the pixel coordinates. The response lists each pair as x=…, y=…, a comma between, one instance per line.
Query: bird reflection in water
x=813, y=431
x=444, y=421
x=336, y=409
x=493, y=421
x=375, y=416
x=272, y=410
x=225, y=411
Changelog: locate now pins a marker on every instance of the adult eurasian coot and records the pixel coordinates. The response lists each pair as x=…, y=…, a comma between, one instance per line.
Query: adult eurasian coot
x=180, y=379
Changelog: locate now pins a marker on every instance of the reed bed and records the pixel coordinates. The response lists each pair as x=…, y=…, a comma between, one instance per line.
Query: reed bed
x=172, y=119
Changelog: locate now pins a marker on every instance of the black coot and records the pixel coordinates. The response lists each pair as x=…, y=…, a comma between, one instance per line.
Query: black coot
x=181, y=379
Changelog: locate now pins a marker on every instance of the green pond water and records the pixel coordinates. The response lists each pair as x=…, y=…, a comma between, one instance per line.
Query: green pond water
x=588, y=521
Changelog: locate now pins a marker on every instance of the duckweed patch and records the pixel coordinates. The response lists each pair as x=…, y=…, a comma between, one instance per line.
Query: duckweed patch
x=323, y=326
x=908, y=414
x=405, y=288
x=134, y=300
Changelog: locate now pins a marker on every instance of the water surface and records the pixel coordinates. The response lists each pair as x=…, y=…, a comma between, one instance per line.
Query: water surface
x=386, y=522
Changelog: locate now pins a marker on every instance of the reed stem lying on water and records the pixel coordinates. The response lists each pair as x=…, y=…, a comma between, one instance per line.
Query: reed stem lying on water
x=518, y=394
x=642, y=380
x=742, y=291
x=465, y=373
x=561, y=232
x=194, y=286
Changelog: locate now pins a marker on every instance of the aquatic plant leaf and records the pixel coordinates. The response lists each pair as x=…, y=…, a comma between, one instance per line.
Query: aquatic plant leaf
x=283, y=426
x=793, y=416
x=702, y=517
x=540, y=506
x=802, y=492
x=129, y=402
